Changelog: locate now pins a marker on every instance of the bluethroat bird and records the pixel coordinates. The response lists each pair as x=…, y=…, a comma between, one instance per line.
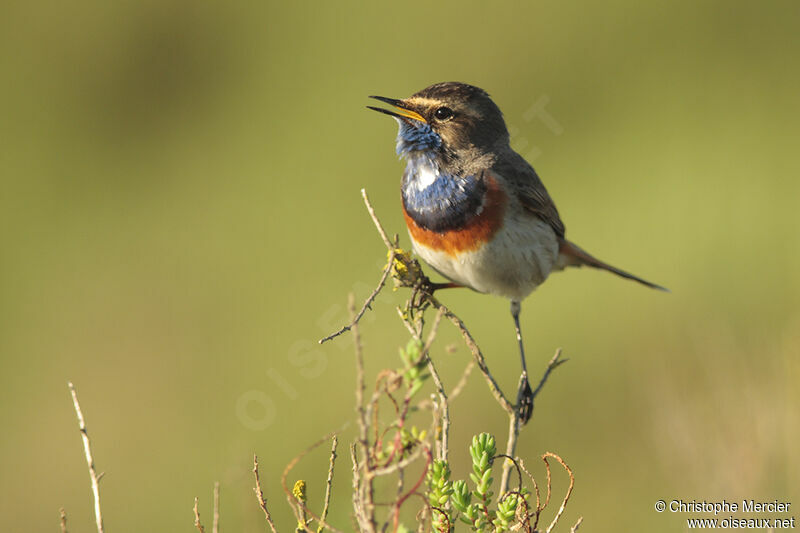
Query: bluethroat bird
x=476, y=211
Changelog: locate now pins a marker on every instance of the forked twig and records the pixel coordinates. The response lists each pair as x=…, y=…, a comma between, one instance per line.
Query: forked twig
x=554, y=363
x=384, y=276
x=367, y=302
x=87, y=448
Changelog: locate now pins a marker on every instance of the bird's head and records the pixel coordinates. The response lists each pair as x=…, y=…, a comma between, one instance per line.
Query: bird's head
x=451, y=118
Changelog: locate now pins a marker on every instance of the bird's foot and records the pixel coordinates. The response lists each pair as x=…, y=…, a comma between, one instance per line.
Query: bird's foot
x=525, y=399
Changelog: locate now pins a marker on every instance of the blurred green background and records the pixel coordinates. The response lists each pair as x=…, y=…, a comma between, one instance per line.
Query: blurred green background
x=181, y=221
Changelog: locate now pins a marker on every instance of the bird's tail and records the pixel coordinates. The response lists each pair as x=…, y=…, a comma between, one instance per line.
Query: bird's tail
x=570, y=254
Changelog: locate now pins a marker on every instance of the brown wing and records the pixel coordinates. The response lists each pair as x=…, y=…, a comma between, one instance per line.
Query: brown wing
x=530, y=189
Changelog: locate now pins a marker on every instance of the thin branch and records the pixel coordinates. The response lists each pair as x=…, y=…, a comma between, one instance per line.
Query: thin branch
x=384, y=277
x=569, y=489
x=576, y=526
x=554, y=363
x=375, y=220
x=87, y=448
x=260, y=496
x=298, y=506
x=462, y=382
x=363, y=498
x=197, y=523
x=392, y=468
x=400, y=501
x=443, y=444
x=539, y=506
x=358, y=508
x=328, y=484
x=514, y=422
x=367, y=302
x=63, y=520
x=215, y=523
x=360, y=381
x=479, y=359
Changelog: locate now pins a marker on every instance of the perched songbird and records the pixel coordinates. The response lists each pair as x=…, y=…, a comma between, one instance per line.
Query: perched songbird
x=475, y=209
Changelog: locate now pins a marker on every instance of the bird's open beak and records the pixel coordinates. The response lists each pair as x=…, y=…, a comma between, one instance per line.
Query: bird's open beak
x=404, y=113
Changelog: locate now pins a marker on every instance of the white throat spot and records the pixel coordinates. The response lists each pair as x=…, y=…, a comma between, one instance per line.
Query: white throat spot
x=425, y=177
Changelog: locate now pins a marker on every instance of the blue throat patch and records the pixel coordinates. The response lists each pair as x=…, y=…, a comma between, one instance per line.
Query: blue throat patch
x=438, y=201
x=418, y=137
x=434, y=199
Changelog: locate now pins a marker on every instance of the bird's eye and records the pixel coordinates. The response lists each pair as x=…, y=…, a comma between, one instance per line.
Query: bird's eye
x=443, y=113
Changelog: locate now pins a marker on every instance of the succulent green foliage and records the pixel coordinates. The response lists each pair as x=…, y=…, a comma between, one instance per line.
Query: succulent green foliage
x=482, y=450
x=457, y=501
x=439, y=491
x=506, y=512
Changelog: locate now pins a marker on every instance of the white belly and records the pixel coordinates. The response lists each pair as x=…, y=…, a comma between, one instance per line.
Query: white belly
x=517, y=260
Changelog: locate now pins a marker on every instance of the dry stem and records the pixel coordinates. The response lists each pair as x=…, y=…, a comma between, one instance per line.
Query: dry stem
x=569, y=489
x=514, y=421
x=299, y=507
x=197, y=523
x=260, y=496
x=87, y=448
x=328, y=484
x=215, y=523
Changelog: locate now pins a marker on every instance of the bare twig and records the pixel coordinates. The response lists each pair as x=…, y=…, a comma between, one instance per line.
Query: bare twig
x=215, y=523
x=401, y=500
x=260, y=496
x=197, y=523
x=63, y=520
x=462, y=382
x=87, y=448
x=384, y=277
x=539, y=505
x=554, y=363
x=361, y=518
x=360, y=381
x=574, y=528
x=363, y=497
x=298, y=506
x=455, y=392
x=479, y=359
x=569, y=489
x=328, y=484
x=514, y=421
x=375, y=220
x=443, y=443
x=395, y=467
x=367, y=302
